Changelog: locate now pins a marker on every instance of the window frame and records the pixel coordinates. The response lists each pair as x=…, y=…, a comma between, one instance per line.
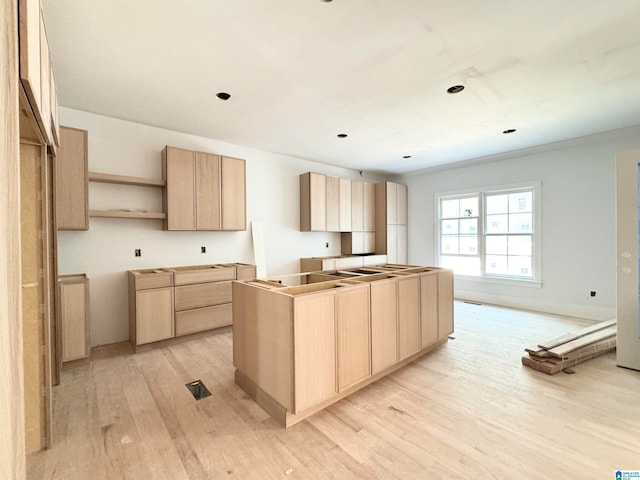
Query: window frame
x=536, y=237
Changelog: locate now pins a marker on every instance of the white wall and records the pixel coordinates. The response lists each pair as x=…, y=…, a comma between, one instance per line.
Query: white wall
x=578, y=222
x=106, y=251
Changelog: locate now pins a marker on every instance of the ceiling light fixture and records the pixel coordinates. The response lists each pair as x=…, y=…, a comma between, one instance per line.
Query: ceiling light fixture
x=509, y=130
x=223, y=95
x=455, y=89
x=342, y=135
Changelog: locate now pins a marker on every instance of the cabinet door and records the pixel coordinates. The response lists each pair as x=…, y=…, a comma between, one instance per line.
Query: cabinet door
x=392, y=203
x=354, y=351
x=384, y=325
x=45, y=84
x=392, y=244
x=315, y=349
x=29, y=11
x=409, y=338
x=313, y=202
x=369, y=207
x=357, y=206
x=445, y=303
x=345, y=205
x=72, y=180
x=402, y=247
x=74, y=313
x=154, y=315
x=233, y=194
x=429, y=308
x=401, y=204
x=333, y=204
x=179, y=172
x=207, y=178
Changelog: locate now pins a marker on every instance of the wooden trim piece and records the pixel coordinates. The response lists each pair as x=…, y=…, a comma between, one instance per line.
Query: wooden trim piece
x=126, y=214
x=12, y=453
x=549, y=344
x=126, y=180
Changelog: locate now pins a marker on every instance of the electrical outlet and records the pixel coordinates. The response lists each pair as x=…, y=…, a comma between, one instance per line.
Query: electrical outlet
x=203, y=249
x=138, y=252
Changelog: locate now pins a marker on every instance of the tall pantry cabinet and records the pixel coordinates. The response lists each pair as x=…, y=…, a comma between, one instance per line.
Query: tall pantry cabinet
x=391, y=221
x=204, y=191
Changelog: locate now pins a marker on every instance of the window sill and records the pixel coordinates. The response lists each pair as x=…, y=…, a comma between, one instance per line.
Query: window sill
x=486, y=279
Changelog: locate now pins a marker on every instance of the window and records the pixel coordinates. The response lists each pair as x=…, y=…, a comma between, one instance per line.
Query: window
x=490, y=233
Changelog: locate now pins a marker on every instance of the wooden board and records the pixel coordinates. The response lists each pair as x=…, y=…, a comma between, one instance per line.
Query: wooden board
x=549, y=344
x=565, y=348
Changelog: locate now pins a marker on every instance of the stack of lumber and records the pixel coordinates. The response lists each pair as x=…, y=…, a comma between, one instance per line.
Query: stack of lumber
x=568, y=350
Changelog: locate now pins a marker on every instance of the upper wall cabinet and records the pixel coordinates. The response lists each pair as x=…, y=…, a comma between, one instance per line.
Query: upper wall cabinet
x=334, y=204
x=71, y=180
x=36, y=71
x=363, y=196
x=204, y=191
x=313, y=202
x=234, y=198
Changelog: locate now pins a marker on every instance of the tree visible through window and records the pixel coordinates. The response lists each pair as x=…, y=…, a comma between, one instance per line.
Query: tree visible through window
x=489, y=233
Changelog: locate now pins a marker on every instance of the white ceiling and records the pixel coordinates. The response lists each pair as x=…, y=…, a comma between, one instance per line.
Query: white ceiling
x=302, y=71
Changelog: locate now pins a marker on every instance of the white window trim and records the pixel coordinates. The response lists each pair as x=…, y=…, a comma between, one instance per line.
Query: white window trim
x=536, y=281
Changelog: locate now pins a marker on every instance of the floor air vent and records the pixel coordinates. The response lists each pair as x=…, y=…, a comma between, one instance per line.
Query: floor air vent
x=198, y=390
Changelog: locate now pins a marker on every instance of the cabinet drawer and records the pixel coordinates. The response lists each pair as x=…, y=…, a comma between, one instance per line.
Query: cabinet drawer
x=145, y=279
x=206, y=273
x=191, y=321
x=202, y=295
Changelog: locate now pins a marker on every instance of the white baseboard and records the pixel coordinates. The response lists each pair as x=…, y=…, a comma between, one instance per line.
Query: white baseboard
x=567, y=309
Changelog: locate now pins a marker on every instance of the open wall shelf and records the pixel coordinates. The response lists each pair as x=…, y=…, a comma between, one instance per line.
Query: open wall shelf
x=127, y=180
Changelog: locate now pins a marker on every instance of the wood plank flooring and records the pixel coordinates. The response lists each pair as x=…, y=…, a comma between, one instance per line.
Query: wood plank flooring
x=467, y=410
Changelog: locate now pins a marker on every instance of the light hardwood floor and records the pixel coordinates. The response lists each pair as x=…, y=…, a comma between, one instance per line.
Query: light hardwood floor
x=468, y=410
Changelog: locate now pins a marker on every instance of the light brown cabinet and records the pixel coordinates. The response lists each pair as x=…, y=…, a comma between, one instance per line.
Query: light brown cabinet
x=172, y=302
x=391, y=221
x=233, y=173
x=74, y=316
x=150, y=306
x=154, y=315
x=72, y=212
x=409, y=333
x=313, y=202
x=36, y=71
x=338, y=204
x=302, y=343
x=353, y=335
x=334, y=204
x=384, y=324
x=314, y=331
x=203, y=191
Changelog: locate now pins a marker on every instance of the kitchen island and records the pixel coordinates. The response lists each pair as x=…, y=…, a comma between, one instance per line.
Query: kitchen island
x=302, y=342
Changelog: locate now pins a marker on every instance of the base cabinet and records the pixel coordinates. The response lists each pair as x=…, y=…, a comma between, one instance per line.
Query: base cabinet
x=298, y=348
x=172, y=302
x=74, y=315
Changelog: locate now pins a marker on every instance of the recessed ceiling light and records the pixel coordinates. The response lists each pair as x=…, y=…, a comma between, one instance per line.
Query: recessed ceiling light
x=223, y=95
x=406, y=156
x=455, y=89
x=342, y=135
x=509, y=130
